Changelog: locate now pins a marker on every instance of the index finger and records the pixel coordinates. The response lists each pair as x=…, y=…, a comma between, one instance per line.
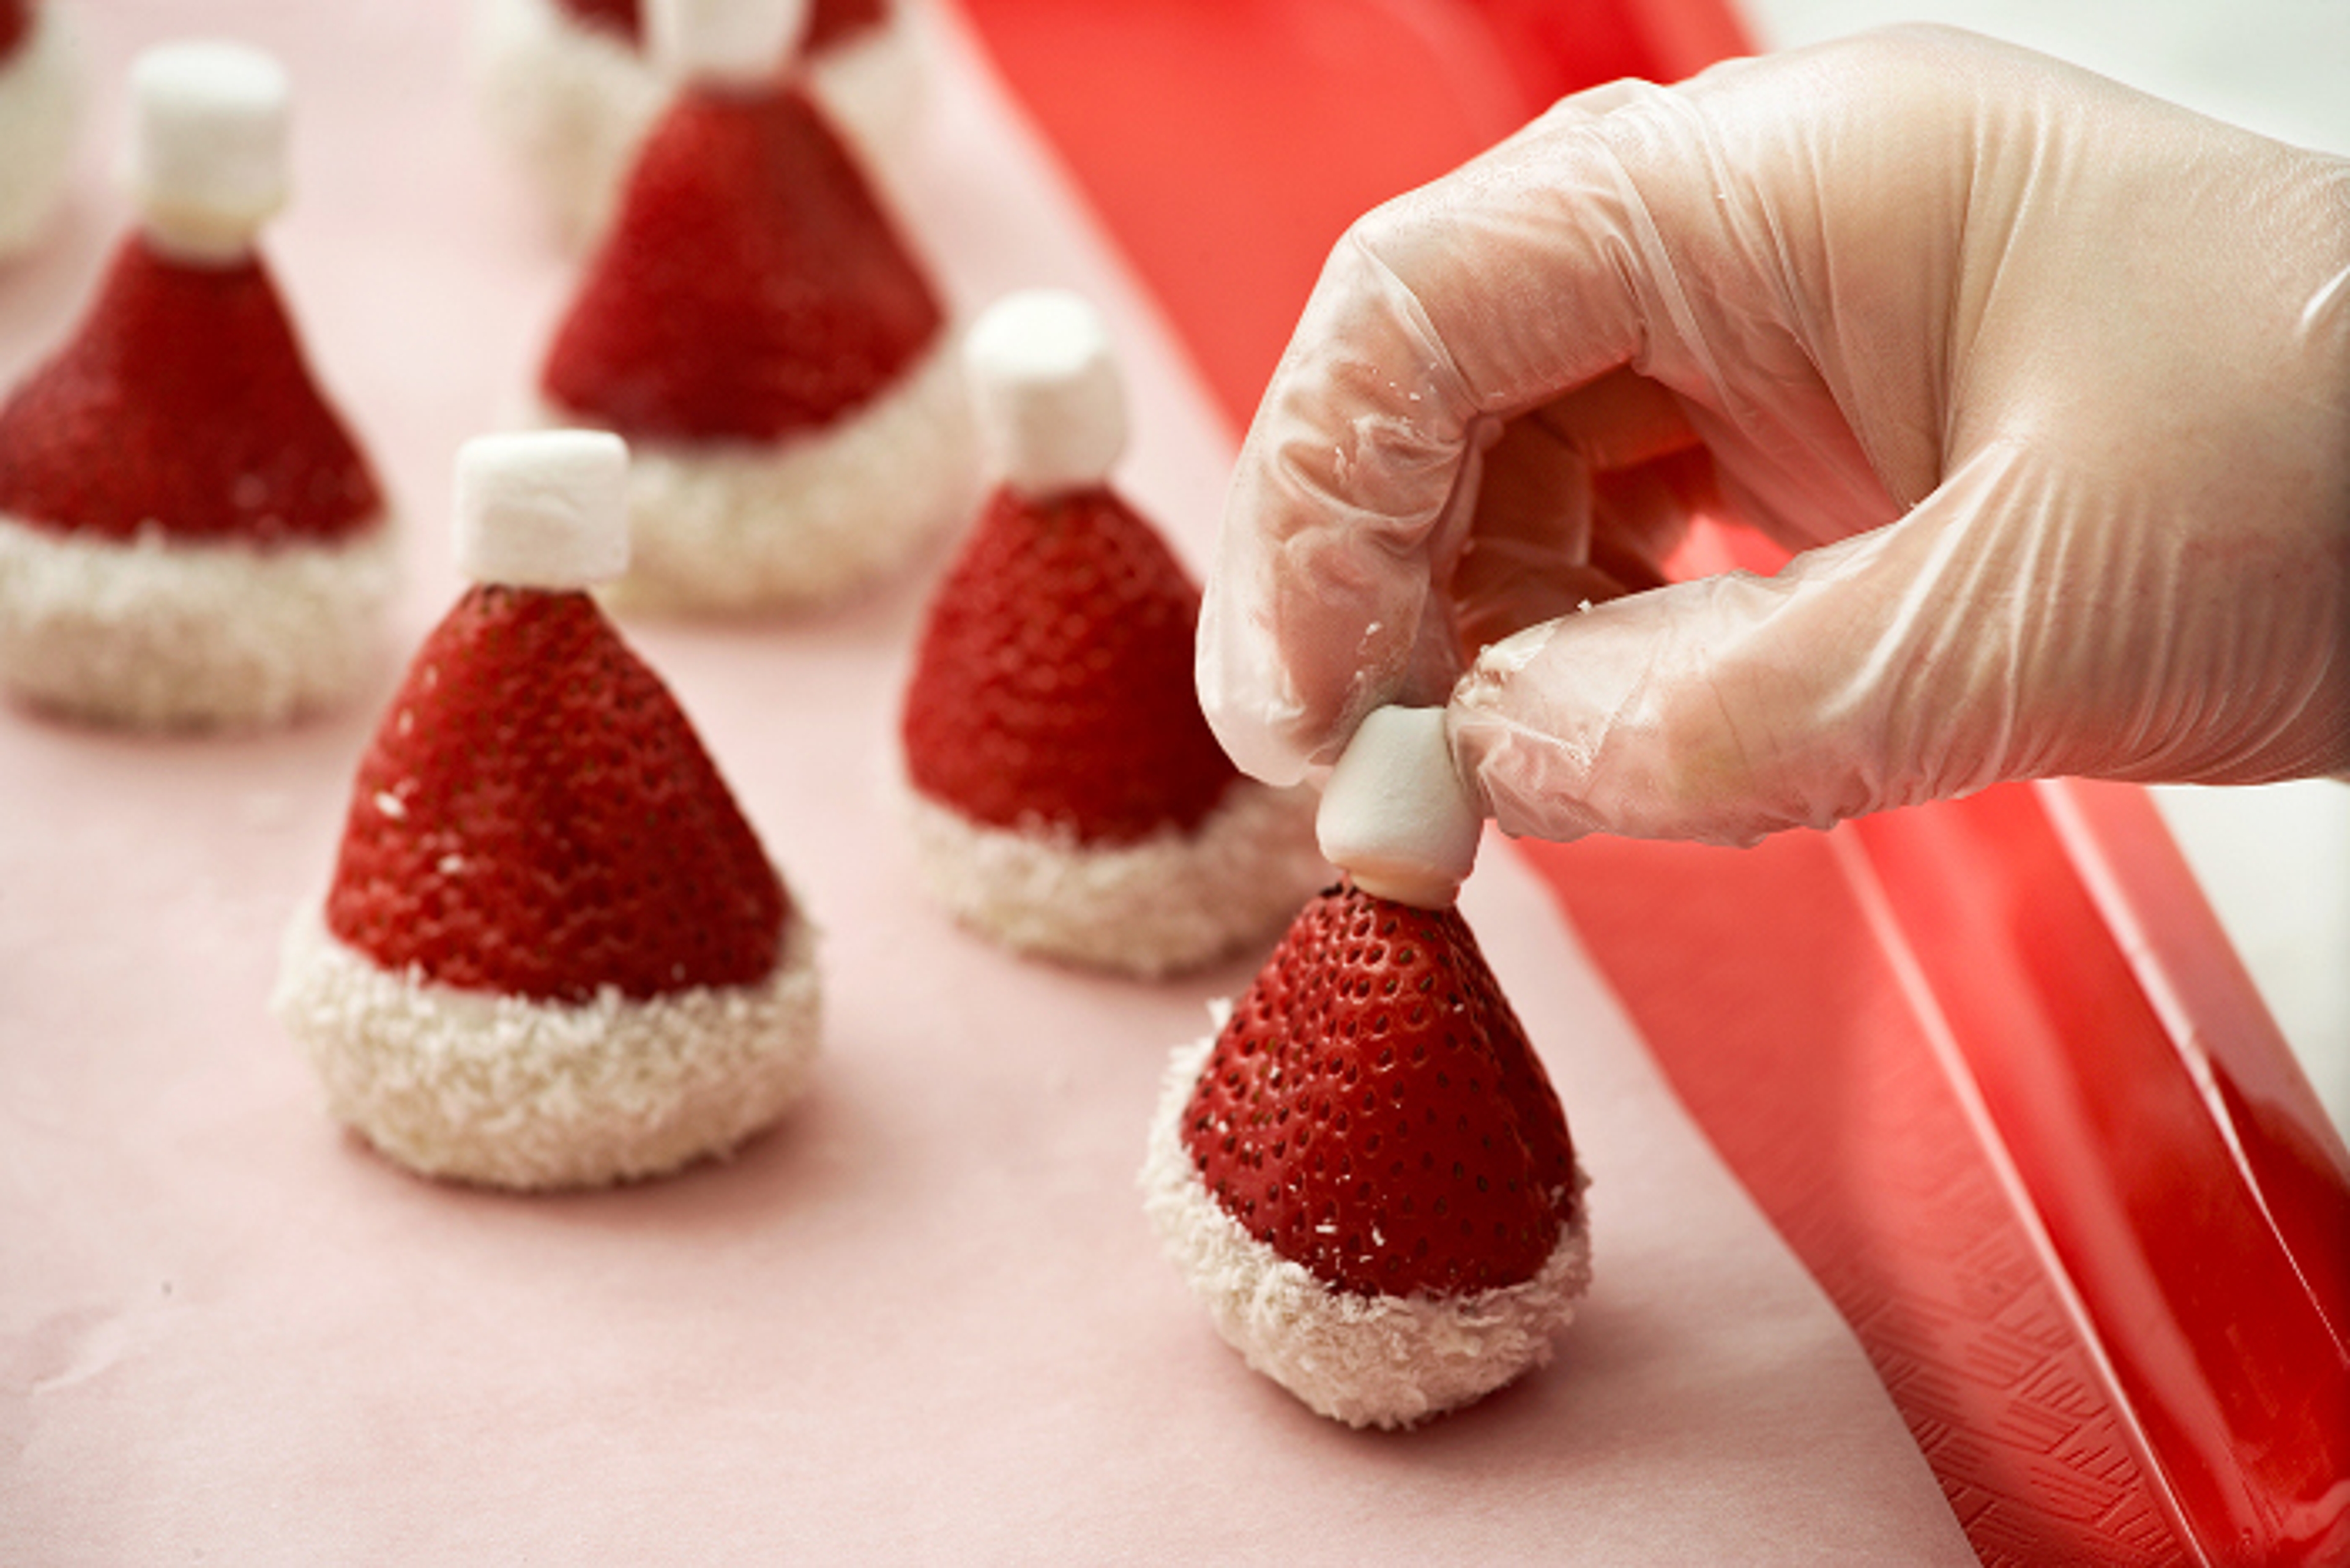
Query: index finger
x=1492, y=290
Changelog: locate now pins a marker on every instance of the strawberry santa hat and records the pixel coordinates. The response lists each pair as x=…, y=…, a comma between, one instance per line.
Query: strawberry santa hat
x=571, y=88
x=40, y=100
x=756, y=327
x=189, y=536
x=553, y=954
x=1366, y=1174
x=1066, y=797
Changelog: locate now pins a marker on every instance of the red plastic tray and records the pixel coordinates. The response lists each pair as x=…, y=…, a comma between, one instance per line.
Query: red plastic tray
x=1990, y=1065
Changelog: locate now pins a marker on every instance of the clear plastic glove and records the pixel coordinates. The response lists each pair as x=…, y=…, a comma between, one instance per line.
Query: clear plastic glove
x=2047, y=384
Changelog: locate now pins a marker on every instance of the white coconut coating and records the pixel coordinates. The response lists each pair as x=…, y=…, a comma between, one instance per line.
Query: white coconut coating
x=205, y=163
x=543, y=509
x=734, y=44
x=1395, y=815
x=1161, y=905
x=734, y=527
x=40, y=109
x=1368, y=1361
x=873, y=84
x=507, y=1092
x=572, y=101
x=1045, y=389
x=154, y=633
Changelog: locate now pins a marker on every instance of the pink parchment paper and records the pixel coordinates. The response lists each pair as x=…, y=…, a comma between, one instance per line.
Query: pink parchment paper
x=924, y=1320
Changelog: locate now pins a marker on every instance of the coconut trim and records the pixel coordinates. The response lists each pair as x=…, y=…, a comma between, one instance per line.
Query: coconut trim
x=572, y=101
x=1368, y=1361
x=734, y=527
x=509, y=1092
x=155, y=633
x=874, y=83
x=1169, y=902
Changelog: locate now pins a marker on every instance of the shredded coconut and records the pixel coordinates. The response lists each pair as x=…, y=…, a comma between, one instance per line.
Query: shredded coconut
x=730, y=526
x=162, y=634
x=508, y=1092
x=1169, y=902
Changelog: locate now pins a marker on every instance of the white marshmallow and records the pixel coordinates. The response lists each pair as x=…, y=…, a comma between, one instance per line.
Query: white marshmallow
x=1395, y=816
x=206, y=160
x=543, y=509
x=725, y=43
x=1045, y=389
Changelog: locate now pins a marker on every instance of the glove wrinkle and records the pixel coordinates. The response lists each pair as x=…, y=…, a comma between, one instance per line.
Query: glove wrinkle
x=2043, y=384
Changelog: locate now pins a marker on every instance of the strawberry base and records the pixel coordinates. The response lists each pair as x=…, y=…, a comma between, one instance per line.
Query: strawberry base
x=572, y=101
x=505, y=1092
x=1173, y=901
x=39, y=95
x=155, y=634
x=1365, y=1360
x=734, y=527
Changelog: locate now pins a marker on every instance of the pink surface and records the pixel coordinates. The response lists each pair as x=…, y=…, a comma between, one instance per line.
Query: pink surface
x=1988, y=1064
x=923, y=1319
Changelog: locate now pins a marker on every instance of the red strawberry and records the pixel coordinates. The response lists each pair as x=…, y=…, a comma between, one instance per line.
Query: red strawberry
x=537, y=818
x=750, y=288
x=15, y=20
x=183, y=403
x=1373, y=1112
x=1052, y=683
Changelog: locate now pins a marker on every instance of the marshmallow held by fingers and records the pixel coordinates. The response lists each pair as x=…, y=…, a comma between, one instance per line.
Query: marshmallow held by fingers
x=1395, y=815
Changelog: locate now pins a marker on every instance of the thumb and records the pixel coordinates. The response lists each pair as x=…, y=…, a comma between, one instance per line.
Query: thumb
x=2013, y=625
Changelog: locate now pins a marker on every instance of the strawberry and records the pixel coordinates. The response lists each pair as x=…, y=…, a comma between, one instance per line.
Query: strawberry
x=750, y=288
x=1372, y=1111
x=537, y=818
x=15, y=20
x=183, y=403
x=1052, y=687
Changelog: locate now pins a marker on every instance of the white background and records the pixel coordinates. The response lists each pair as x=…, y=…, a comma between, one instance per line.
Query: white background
x=2275, y=859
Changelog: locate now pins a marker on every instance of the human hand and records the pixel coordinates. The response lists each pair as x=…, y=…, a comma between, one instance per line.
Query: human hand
x=2046, y=383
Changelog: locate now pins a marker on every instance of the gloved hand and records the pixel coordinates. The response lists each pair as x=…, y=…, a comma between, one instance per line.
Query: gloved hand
x=2046, y=382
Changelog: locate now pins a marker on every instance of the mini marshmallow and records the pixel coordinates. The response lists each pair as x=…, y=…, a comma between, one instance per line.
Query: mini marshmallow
x=1045, y=389
x=206, y=158
x=543, y=509
x=1395, y=816
x=726, y=43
